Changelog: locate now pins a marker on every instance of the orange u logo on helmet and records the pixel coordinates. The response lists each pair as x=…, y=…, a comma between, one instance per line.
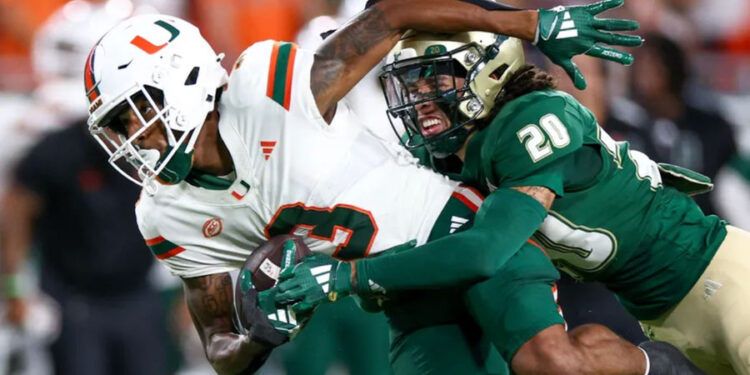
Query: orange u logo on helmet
x=151, y=48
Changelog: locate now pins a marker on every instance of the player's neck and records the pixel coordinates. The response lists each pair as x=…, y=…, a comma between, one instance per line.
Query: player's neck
x=211, y=154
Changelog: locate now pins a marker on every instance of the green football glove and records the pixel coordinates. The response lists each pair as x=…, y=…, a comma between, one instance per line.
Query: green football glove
x=281, y=317
x=316, y=279
x=564, y=32
x=260, y=315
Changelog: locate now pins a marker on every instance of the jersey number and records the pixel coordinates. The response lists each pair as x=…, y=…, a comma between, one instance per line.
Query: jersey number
x=539, y=144
x=351, y=229
x=575, y=247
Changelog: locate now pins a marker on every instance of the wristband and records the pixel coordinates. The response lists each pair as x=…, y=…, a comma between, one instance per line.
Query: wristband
x=11, y=285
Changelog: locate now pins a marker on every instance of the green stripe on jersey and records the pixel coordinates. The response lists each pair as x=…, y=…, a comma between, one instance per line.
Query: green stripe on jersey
x=162, y=248
x=280, y=73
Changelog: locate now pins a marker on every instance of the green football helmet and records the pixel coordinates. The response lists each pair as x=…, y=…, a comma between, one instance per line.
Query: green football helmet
x=458, y=74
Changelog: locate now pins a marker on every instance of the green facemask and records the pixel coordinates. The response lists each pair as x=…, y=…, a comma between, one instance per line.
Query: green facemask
x=448, y=144
x=177, y=168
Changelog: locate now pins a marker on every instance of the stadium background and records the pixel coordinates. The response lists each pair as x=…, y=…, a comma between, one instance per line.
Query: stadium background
x=43, y=44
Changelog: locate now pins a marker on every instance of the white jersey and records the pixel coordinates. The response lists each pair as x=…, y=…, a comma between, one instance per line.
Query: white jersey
x=348, y=193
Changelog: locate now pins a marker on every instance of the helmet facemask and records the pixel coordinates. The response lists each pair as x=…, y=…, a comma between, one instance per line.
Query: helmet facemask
x=144, y=165
x=475, y=75
x=427, y=81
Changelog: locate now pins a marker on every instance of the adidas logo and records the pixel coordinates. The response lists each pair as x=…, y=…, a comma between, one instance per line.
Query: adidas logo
x=710, y=288
x=267, y=148
x=283, y=316
x=322, y=276
x=457, y=222
x=568, y=28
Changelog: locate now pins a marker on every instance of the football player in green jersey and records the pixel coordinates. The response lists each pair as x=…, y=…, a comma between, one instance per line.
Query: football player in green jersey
x=601, y=211
x=529, y=340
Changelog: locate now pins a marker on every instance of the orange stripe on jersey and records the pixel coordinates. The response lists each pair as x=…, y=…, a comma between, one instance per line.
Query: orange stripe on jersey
x=289, y=73
x=170, y=253
x=473, y=207
x=154, y=241
x=272, y=69
x=280, y=73
x=471, y=197
x=163, y=248
x=537, y=245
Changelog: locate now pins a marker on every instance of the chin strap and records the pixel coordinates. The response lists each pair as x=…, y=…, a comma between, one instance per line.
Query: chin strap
x=180, y=160
x=178, y=167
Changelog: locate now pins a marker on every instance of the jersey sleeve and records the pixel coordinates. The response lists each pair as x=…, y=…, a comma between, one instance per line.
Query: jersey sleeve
x=183, y=256
x=274, y=76
x=531, y=143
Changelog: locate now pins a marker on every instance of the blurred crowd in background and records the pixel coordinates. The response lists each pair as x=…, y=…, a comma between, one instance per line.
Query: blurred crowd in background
x=82, y=295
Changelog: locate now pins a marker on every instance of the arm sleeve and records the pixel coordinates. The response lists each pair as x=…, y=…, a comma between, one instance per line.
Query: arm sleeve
x=506, y=219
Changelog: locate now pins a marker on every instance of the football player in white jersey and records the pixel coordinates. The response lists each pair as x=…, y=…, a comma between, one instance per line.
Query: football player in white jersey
x=227, y=163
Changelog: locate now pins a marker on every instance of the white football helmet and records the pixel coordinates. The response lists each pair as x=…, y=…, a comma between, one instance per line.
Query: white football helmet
x=165, y=61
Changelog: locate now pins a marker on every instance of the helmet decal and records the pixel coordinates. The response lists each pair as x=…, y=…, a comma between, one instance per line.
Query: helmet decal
x=149, y=47
x=92, y=87
x=435, y=49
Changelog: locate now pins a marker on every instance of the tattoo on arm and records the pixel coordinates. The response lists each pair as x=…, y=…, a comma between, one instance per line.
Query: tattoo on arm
x=542, y=194
x=209, y=300
x=338, y=55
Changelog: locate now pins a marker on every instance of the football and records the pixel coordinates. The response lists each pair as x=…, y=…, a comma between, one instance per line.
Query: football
x=264, y=263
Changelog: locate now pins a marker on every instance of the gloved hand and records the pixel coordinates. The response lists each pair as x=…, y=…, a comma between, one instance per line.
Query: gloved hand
x=564, y=32
x=263, y=319
x=316, y=279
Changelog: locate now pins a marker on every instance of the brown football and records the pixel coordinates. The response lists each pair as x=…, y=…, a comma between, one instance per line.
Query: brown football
x=264, y=263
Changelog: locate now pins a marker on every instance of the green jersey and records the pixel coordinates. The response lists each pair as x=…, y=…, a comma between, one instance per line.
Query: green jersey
x=613, y=220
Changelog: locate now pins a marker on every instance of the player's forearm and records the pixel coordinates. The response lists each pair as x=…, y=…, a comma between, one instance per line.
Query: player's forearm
x=350, y=53
x=209, y=300
x=505, y=221
x=232, y=354
x=457, y=16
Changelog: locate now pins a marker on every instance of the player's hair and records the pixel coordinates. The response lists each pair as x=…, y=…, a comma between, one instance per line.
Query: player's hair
x=527, y=79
